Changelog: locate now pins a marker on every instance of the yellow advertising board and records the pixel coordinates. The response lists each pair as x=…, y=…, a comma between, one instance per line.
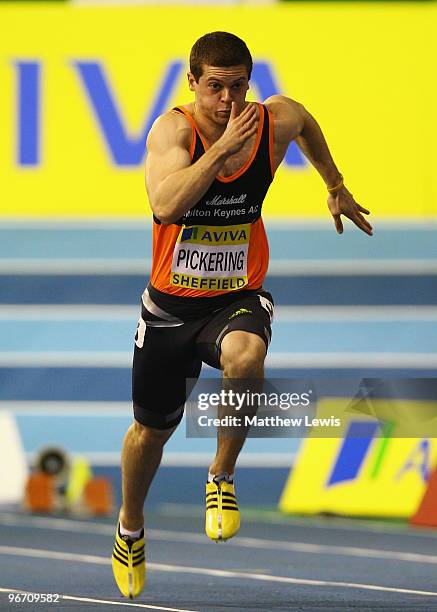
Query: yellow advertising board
x=367, y=469
x=80, y=87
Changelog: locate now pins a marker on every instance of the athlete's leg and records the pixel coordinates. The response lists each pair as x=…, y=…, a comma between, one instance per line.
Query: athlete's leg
x=141, y=456
x=164, y=358
x=242, y=358
x=235, y=341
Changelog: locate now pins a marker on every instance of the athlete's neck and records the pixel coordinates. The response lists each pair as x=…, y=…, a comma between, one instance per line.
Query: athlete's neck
x=210, y=131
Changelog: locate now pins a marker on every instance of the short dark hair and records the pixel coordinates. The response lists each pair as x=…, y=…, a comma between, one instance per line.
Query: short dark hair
x=219, y=49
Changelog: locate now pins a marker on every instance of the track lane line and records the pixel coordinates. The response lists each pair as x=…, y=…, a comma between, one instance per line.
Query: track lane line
x=107, y=602
x=184, y=569
x=69, y=525
x=123, y=359
x=283, y=314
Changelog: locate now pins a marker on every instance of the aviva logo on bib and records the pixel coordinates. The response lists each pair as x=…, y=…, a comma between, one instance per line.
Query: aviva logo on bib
x=216, y=235
x=211, y=258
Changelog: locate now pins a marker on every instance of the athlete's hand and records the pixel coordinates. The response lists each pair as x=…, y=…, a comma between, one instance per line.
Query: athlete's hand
x=343, y=203
x=240, y=128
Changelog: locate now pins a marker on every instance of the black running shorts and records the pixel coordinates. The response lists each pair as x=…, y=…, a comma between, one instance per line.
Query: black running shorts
x=168, y=350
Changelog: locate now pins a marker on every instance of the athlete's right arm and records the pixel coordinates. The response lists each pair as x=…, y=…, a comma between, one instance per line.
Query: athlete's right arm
x=173, y=184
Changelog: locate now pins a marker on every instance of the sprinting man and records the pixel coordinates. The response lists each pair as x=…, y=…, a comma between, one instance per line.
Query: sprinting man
x=209, y=166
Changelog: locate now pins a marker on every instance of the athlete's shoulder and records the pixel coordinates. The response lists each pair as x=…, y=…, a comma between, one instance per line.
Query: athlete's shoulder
x=283, y=107
x=288, y=115
x=170, y=129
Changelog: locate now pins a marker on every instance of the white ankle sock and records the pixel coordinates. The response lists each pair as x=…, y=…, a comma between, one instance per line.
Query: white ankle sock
x=223, y=476
x=131, y=534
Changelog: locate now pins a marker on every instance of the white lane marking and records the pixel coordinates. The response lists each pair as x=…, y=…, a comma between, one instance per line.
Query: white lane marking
x=360, y=267
x=164, y=567
x=288, y=580
x=182, y=459
x=69, y=525
x=67, y=408
x=331, y=523
x=355, y=267
x=64, y=359
x=283, y=314
x=277, y=267
x=65, y=267
x=120, y=359
x=286, y=314
x=352, y=360
x=102, y=601
x=175, y=510
x=68, y=312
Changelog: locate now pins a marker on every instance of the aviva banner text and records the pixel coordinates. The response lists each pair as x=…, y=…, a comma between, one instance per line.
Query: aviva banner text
x=81, y=87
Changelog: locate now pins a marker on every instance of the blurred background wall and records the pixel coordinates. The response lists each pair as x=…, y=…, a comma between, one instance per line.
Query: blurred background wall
x=81, y=83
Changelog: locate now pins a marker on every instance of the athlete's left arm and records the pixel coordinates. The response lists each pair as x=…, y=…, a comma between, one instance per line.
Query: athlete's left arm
x=293, y=122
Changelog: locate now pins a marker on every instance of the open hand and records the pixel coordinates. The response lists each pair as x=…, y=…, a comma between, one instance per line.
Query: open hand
x=343, y=203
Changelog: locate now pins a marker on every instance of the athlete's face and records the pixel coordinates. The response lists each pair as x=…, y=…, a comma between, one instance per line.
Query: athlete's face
x=217, y=89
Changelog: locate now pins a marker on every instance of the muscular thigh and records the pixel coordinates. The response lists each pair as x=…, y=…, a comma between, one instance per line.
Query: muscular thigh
x=253, y=314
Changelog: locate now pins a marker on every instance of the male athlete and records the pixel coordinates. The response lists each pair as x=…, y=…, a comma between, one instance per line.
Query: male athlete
x=209, y=166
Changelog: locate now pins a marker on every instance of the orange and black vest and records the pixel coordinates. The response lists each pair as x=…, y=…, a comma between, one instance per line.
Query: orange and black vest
x=220, y=245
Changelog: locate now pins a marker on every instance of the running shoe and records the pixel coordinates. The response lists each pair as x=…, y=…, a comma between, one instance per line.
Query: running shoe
x=128, y=564
x=222, y=514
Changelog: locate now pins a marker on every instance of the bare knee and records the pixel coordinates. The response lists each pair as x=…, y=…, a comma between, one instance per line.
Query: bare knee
x=242, y=355
x=149, y=435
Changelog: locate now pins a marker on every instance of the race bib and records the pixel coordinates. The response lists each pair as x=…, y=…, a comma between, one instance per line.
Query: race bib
x=211, y=258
